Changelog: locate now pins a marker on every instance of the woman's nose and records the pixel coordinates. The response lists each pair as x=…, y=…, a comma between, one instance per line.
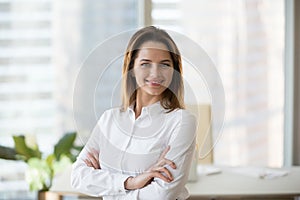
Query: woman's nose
x=154, y=71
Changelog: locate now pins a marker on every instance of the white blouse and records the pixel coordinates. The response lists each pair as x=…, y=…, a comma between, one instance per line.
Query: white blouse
x=129, y=146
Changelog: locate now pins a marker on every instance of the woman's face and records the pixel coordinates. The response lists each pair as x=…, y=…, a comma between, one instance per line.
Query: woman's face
x=153, y=68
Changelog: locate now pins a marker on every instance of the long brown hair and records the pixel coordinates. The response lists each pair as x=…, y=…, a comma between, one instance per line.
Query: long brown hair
x=172, y=97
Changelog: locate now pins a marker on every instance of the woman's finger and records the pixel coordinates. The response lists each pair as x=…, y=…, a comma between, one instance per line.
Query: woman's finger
x=166, y=172
x=164, y=153
x=164, y=162
x=159, y=175
x=95, y=153
x=93, y=160
x=170, y=163
x=87, y=162
x=96, y=156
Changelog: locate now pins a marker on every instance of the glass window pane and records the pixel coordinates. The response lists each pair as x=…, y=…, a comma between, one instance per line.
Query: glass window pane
x=245, y=39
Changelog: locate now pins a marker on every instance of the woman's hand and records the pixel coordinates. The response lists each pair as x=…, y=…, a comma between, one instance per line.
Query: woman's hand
x=92, y=159
x=158, y=170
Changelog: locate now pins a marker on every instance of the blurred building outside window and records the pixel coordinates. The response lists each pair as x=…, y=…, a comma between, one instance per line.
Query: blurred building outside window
x=245, y=39
x=44, y=43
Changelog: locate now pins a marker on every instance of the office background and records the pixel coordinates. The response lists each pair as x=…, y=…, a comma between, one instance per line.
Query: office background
x=43, y=44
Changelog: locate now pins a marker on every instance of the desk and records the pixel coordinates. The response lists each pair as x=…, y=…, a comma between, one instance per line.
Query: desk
x=225, y=185
x=229, y=185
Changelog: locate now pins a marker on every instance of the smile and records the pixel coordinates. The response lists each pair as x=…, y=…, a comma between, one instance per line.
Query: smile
x=154, y=83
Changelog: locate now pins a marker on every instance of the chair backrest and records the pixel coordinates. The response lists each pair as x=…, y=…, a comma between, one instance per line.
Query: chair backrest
x=204, y=132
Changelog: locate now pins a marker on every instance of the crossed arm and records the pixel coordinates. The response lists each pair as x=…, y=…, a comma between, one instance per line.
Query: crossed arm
x=158, y=170
x=163, y=180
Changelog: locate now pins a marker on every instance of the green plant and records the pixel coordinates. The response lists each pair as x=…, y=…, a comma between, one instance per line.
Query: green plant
x=42, y=169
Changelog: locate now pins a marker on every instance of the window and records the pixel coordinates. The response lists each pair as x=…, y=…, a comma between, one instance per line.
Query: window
x=26, y=72
x=42, y=45
x=245, y=39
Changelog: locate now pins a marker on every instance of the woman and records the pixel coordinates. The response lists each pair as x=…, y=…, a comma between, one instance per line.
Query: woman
x=144, y=149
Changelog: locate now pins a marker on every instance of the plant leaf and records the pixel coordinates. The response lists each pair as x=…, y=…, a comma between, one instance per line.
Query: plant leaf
x=64, y=145
x=8, y=153
x=22, y=149
x=49, y=160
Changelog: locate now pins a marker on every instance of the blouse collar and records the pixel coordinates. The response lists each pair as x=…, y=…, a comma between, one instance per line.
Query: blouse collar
x=152, y=110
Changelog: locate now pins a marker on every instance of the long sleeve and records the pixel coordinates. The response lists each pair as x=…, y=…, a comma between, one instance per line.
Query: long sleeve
x=182, y=143
x=129, y=146
x=95, y=182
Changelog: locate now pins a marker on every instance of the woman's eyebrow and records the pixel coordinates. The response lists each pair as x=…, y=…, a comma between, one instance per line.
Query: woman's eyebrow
x=145, y=60
x=166, y=60
x=148, y=60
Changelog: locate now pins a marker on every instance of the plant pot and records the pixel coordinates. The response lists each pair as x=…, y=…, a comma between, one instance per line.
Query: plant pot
x=48, y=195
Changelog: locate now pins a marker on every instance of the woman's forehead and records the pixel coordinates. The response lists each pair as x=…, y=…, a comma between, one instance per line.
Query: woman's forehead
x=153, y=54
x=154, y=45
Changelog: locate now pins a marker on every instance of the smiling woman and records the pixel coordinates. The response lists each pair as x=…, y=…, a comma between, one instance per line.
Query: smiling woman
x=150, y=42
x=144, y=148
x=153, y=71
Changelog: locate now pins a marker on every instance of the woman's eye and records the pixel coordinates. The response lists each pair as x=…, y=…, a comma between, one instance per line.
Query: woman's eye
x=145, y=64
x=164, y=65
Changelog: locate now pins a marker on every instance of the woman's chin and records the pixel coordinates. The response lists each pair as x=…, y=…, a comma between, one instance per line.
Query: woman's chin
x=154, y=92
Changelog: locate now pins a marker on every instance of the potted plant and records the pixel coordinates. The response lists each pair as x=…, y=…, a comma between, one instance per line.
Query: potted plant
x=42, y=169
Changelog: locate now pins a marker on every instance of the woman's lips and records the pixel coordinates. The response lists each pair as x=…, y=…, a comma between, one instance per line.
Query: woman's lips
x=154, y=83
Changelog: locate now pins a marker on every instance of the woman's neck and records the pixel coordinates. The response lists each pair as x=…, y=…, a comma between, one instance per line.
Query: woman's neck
x=143, y=101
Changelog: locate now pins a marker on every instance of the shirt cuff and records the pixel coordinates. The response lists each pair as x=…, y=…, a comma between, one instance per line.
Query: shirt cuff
x=119, y=183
